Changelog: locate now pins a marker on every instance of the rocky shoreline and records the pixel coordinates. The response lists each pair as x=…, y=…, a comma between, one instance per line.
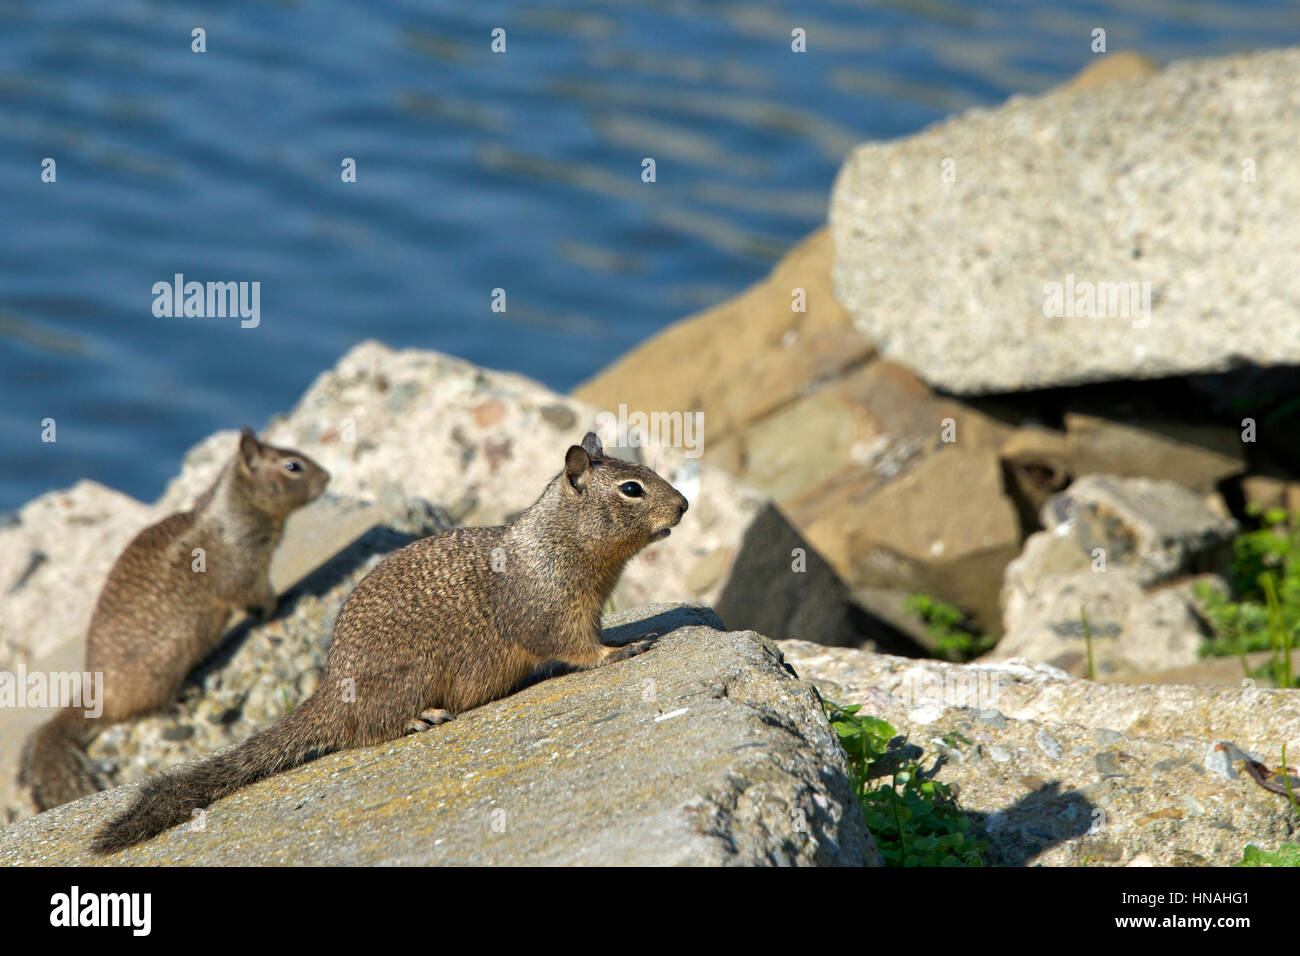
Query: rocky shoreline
x=885, y=415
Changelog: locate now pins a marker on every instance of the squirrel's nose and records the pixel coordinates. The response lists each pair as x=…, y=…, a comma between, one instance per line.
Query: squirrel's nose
x=681, y=508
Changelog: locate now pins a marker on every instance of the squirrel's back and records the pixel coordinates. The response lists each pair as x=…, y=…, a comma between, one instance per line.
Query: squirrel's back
x=154, y=616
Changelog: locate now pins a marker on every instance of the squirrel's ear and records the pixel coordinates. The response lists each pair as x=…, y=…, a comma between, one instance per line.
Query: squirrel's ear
x=576, y=465
x=592, y=446
x=249, y=446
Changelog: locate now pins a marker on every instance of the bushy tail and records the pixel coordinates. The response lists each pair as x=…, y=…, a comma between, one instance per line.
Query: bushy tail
x=53, y=763
x=171, y=798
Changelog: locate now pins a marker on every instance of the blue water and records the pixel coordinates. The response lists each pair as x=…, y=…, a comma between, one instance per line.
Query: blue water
x=475, y=171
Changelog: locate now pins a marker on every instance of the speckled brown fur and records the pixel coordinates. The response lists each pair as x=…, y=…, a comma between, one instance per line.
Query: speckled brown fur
x=446, y=624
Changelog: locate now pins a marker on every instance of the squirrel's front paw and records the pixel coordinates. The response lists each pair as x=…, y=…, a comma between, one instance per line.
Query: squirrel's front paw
x=630, y=650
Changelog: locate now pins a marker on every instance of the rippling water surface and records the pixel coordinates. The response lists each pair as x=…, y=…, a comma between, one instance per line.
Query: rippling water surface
x=475, y=171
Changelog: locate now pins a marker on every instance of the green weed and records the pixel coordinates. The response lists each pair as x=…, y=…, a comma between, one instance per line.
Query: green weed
x=1262, y=610
x=914, y=818
x=955, y=636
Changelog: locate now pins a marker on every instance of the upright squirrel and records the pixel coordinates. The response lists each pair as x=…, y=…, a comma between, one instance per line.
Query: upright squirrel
x=166, y=604
x=446, y=624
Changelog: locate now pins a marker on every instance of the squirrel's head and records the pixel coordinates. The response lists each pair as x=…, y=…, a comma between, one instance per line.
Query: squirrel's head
x=620, y=501
x=279, y=480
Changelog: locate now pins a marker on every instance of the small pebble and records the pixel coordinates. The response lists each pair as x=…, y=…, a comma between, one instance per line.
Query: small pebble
x=1047, y=744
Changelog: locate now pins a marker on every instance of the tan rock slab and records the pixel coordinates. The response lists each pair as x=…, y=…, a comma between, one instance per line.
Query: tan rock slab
x=745, y=358
x=1197, y=456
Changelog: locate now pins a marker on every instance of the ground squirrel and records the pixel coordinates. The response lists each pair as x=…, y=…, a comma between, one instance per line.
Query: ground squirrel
x=166, y=603
x=446, y=624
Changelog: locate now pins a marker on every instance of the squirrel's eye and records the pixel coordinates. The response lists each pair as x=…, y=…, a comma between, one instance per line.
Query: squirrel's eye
x=292, y=466
x=631, y=489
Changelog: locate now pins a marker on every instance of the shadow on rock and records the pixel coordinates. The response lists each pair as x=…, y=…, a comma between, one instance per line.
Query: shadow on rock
x=658, y=625
x=380, y=540
x=1036, y=822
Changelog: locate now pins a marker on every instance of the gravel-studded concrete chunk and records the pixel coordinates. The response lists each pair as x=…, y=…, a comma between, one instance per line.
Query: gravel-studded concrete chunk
x=1182, y=184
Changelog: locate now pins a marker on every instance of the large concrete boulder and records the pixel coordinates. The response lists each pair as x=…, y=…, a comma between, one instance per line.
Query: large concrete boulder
x=1063, y=772
x=703, y=751
x=946, y=242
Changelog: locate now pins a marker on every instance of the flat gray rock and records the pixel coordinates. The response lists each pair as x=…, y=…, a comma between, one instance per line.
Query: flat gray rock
x=1140, y=181
x=704, y=750
x=1154, y=529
